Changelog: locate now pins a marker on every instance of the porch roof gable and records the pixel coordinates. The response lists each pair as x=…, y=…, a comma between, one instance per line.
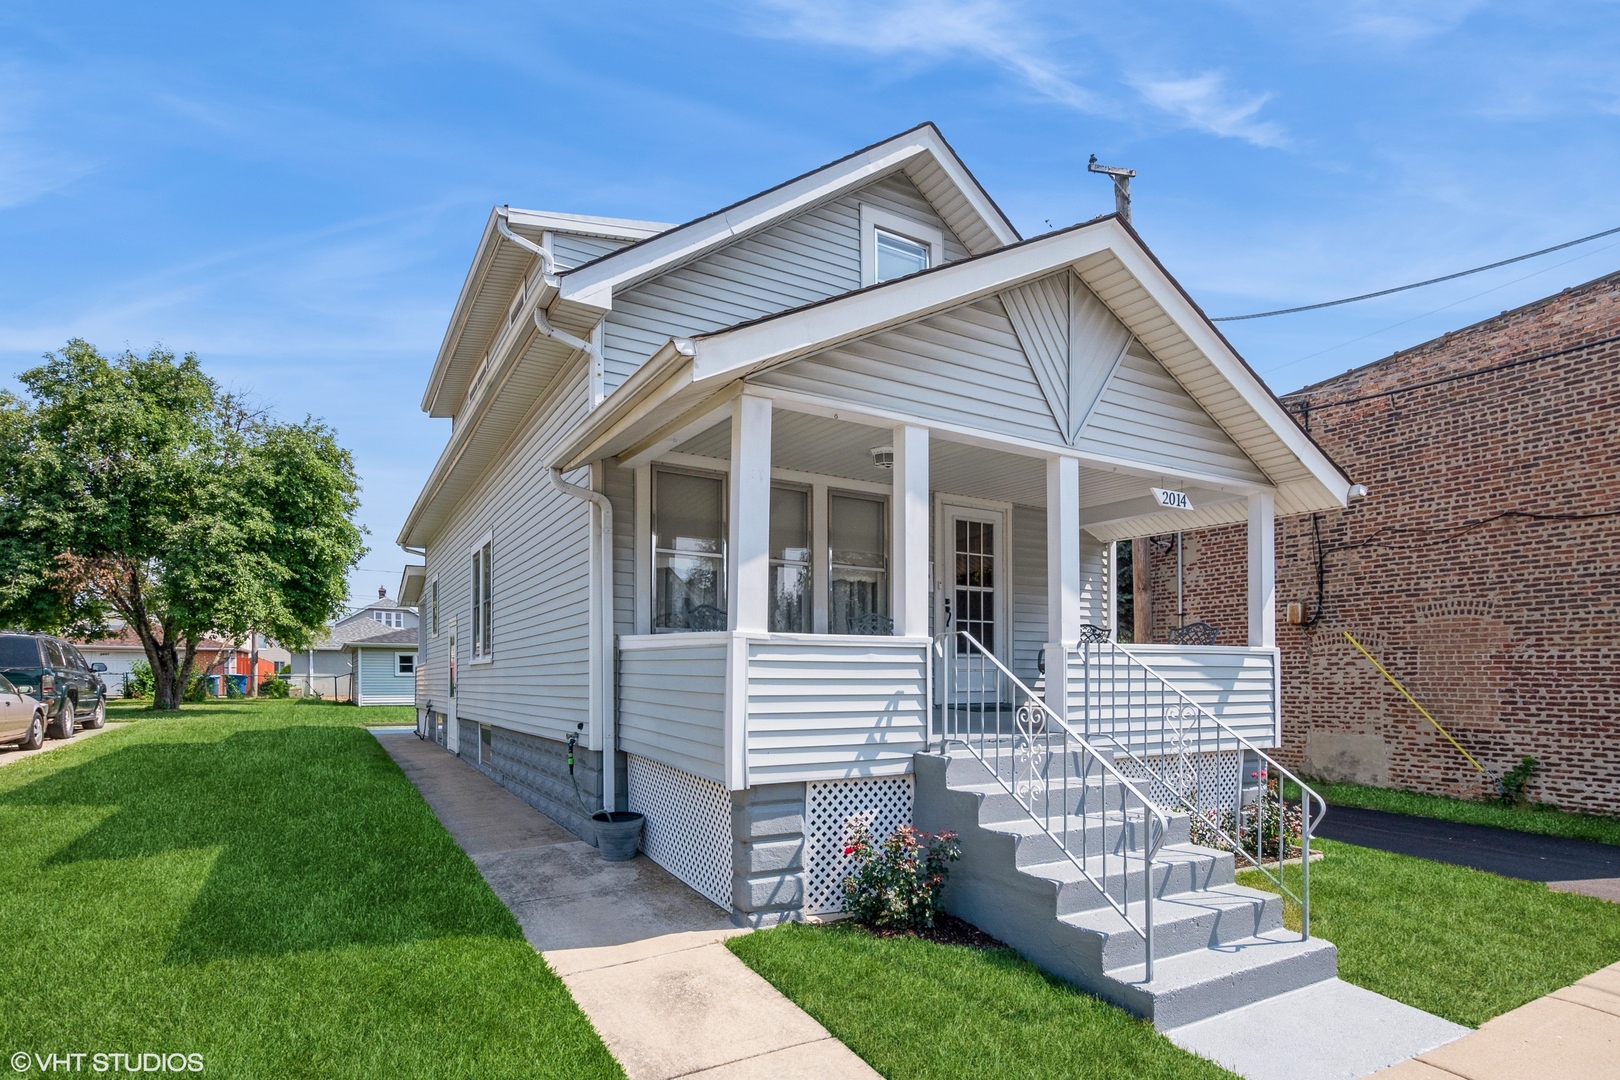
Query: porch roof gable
x=688, y=376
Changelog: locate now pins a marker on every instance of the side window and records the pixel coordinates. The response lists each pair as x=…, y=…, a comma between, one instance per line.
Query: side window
x=857, y=533
x=790, y=560
x=53, y=654
x=77, y=658
x=433, y=606
x=405, y=663
x=482, y=607
x=689, y=561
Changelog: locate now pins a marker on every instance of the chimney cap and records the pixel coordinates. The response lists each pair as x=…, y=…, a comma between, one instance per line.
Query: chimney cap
x=382, y=591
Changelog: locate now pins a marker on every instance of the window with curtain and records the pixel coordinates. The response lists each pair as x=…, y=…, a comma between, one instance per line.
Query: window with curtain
x=790, y=561
x=481, y=606
x=689, y=560
x=858, y=534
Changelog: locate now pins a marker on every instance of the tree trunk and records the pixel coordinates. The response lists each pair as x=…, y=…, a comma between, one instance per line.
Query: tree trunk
x=253, y=664
x=167, y=687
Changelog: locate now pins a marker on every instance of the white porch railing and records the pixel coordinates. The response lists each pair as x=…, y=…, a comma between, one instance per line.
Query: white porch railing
x=745, y=708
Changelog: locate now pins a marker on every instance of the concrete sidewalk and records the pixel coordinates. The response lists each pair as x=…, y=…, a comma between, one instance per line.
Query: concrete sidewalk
x=11, y=754
x=642, y=954
x=1571, y=1034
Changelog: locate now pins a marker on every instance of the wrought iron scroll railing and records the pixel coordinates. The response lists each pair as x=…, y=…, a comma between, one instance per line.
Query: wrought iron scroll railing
x=1179, y=746
x=1100, y=819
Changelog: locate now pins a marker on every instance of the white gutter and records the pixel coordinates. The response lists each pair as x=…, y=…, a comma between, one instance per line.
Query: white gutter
x=560, y=336
x=604, y=598
x=548, y=265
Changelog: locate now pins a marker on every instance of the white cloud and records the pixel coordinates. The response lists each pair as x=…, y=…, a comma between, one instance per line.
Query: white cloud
x=989, y=29
x=28, y=167
x=1401, y=22
x=1206, y=103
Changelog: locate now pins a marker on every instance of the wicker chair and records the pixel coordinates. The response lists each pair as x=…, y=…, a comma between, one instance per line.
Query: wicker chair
x=1194, y=633
x=872, y=624
x=705, y=617
x=1090, y=633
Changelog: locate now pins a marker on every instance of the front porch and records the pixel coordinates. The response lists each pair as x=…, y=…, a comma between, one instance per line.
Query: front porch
x=794, y=565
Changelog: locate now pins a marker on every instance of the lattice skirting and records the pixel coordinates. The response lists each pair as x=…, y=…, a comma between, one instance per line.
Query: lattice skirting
x=833, y=811
x=1211, y=779
x=688, y=826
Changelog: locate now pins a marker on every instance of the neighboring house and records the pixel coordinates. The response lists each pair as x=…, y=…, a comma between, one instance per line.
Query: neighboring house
x=328, y=657
x=384, y=668
x=121, y=648
x=711, y=490
x=1480, y=568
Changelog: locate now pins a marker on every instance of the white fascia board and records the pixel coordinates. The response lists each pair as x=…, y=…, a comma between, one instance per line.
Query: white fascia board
x=458, y=315
x=784, y=337
x=586, y=225
x=1192, y=322
x=689, y=241
x=664, y=374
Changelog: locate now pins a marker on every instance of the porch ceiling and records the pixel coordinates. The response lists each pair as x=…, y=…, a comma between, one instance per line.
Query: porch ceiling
x=1114, y=505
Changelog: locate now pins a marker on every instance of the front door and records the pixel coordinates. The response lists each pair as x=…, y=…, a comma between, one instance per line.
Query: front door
x=452, y=730
x=973, y=564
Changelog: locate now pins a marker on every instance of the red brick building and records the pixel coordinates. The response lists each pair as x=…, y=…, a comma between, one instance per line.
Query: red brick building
x=1482, y=568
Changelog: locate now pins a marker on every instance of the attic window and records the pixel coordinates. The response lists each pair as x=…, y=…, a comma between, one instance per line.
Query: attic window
x=894, y=245
x=897, y=256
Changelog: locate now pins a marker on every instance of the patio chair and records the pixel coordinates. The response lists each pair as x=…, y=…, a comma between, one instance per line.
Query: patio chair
x=872, y=624
x=1194, y=633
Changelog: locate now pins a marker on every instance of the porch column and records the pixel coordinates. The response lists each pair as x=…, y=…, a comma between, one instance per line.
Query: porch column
x=1063, y=610
x=748, y=561
x=908, y=509
x=1263, y=569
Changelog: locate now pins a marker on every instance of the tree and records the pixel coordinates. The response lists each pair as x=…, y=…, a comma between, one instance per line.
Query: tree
x=135, y=486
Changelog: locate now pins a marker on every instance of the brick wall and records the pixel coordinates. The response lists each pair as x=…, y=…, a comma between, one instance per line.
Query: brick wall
x=1506, y=628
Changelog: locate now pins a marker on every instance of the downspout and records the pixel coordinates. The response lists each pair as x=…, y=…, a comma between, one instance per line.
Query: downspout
x=605, y=549
x=548, y=263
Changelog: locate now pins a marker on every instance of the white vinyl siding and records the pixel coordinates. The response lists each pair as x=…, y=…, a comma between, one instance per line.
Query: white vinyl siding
x=378, y=681
x=962, y=366
x=822, y=708
x=1236, y=683
x=572, y=249
x=672, y=702
x=1029, y=627
x=809, y=257
x=620, y=488
x=541, y=580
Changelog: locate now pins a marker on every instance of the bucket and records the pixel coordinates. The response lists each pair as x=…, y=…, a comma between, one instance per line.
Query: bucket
x=617, y=834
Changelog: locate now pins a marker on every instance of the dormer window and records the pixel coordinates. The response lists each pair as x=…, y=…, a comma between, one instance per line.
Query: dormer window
x=897, y=256
x=895, y=245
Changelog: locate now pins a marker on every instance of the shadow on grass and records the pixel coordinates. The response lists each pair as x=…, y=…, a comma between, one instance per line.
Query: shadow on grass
x=322, y=842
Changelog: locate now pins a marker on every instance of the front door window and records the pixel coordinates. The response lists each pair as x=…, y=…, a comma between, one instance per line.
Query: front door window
x=974, y=600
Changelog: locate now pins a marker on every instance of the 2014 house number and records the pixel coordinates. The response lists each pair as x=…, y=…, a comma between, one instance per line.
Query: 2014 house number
x=1172, y=500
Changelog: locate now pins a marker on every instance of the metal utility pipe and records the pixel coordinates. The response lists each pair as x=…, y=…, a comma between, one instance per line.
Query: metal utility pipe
x=605, y=602
x=1181, y=596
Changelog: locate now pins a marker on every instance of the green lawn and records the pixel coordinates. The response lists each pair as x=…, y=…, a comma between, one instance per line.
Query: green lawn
x=1530, y=819
x=1460, y=943
x=258, y=883
x=916, y=1010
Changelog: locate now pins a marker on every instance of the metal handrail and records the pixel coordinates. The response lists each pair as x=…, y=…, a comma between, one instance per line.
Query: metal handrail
x=982, y=663
x=1184, y=705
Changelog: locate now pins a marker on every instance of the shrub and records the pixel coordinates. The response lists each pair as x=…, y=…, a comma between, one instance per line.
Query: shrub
x=276, y=688
x=138, y=683
x=198, y=690
x=898, y=885
x=1515, y=780
x=1255, y=828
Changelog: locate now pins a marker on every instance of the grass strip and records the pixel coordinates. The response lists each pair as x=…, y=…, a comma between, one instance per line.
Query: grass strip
x=916, y=1010
x=1535, y=818
x=258, y=883
x=1459, y=943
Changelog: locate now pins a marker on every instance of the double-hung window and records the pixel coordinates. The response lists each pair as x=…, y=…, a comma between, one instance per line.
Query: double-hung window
x=433, y=606
x=689, y=551
x=790, y=607
x=857, y=533
x=405, y=663
x=481, y=606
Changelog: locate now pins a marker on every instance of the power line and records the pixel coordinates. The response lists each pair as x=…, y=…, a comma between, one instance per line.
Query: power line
x=1417, y=284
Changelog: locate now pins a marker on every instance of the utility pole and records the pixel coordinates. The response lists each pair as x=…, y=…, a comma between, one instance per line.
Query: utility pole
x=1122, y=186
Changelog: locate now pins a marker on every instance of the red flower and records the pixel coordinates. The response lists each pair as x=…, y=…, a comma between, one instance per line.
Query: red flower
x=849, y=850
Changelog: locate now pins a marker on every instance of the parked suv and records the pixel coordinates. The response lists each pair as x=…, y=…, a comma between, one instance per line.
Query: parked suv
x=52, y=671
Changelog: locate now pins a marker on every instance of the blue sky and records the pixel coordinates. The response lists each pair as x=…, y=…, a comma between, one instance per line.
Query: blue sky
x=293, y=191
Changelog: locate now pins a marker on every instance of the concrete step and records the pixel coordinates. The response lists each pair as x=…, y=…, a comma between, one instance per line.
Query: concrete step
x=967, y=767
x=999, y=804
x=1178, y=870
x=1217, y=946
x=1182, y=923
x=1089, y=834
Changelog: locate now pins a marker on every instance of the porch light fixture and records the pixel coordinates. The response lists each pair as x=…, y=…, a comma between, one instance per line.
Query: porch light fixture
x=883, y=457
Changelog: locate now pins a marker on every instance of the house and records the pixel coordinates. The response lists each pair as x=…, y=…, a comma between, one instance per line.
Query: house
x=384, y=668
x=768, y=510
x=121, y=647
x=1479, y=569
x=327, y=666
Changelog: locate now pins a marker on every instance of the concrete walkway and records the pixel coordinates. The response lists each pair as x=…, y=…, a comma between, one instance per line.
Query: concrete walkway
x=1582, y=866
x=1571, y=1034
x=10, y=754
x=1331, y=1030
x=640, y=952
